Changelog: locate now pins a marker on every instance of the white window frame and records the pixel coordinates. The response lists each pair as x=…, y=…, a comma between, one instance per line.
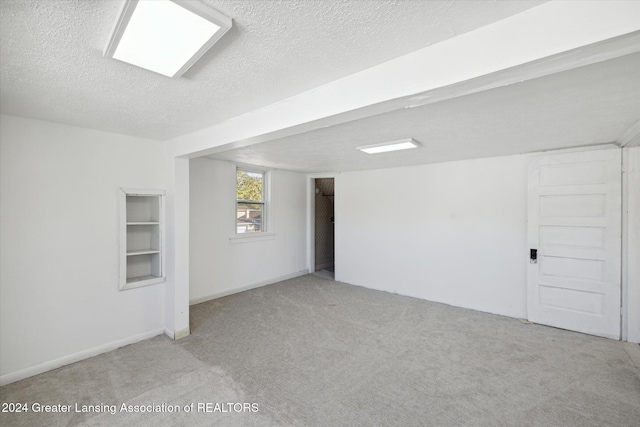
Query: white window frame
x=266, y=232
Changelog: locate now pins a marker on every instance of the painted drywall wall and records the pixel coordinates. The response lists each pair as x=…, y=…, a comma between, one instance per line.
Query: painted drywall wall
x=631, y=263
x=59, y=297
x=449, y=232
x=221, y=265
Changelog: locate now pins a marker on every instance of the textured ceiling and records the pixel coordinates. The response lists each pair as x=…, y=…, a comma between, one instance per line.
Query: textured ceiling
x=585, y=106
x=52, y=67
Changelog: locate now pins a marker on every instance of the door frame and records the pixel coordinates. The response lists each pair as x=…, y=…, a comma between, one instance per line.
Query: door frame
x=311, y=219
x=630, y=243
x=623, y=302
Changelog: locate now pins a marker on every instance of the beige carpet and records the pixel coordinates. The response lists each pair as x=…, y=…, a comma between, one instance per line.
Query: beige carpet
x=314, y=352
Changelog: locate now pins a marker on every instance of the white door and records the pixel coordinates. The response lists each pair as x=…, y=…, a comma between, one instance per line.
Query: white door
x=575, y=205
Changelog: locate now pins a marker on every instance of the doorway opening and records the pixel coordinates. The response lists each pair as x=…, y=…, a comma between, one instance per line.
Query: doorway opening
x=324, y=227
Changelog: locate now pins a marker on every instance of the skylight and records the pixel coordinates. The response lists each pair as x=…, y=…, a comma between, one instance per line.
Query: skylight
x=402, y=144
x=165, y=36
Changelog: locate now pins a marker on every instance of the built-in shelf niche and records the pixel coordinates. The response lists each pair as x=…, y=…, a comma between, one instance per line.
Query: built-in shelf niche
x=141, y=240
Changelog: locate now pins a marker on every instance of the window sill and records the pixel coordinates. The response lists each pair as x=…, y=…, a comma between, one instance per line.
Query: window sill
x=251, y=237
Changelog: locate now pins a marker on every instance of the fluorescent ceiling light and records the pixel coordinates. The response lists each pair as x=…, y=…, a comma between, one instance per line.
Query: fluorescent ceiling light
x=402, y=144
x=165, y=36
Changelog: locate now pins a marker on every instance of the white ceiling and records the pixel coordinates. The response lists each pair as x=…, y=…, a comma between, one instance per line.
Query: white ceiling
x=589, y=105
x=52, y=67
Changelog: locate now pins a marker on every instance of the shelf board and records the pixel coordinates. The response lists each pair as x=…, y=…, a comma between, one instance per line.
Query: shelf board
x=143, y=252
x=143, y=223
x=141, y=278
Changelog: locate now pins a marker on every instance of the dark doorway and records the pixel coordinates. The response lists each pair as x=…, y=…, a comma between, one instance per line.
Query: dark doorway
x=324, y=224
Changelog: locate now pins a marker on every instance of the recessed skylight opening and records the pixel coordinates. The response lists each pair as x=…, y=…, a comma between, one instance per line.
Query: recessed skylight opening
x=403, y=144
x=165, y=36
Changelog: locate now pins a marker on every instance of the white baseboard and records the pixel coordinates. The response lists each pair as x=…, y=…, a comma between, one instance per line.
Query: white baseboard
x=182, y=333
x=199, y=300
x=176, y=335
x=75, y=357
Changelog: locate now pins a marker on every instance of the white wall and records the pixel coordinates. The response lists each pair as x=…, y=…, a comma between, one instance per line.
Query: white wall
x=176, y=294
x=59, y=298
x=449, y=232
x=631, y=268
x=219, y=265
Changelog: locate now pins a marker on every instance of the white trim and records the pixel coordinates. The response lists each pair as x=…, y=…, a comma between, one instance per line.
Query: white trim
x=75, y=357
x=631, y=245
x=123, y=282
x=247, y=287
x=142, y=192
x=177, y=286
x=624, y=306
x=251, y=237
x=182, y=333
x=311, y=217
x=311, y=224
x=606, y=146
x=267, y=202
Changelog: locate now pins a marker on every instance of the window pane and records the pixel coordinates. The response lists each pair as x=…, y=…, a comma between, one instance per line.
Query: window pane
x=249, y=185
x=249, y=217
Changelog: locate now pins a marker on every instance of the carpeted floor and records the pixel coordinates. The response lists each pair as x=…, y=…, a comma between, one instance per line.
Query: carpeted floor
x=314, y=352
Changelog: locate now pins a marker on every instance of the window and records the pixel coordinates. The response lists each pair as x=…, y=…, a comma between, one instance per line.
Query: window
x=250, y=201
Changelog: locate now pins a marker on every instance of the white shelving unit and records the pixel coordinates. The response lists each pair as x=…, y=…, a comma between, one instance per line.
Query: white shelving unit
x=141, y=240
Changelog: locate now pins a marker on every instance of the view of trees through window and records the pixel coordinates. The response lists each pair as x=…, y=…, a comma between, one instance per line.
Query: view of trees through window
x=250, y=201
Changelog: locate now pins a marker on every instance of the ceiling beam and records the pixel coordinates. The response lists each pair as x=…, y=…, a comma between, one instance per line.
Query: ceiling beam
x=553, y=37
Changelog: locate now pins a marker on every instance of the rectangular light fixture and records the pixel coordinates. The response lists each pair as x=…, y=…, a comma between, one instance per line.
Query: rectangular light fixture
x=165, y=36
x=402, y=144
